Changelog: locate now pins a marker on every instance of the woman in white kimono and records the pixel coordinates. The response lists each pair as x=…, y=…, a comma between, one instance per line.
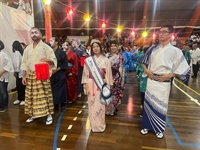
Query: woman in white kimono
x=95, y=108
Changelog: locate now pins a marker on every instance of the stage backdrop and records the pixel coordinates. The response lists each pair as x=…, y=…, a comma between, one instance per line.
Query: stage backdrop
x=15, y=24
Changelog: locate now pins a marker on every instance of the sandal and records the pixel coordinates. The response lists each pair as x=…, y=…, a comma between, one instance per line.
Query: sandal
x=144, y=131
x=30, y=120
x=159, y=135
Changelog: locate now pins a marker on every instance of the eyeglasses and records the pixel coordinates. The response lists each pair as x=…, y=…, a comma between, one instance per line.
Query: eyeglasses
x=163, y=32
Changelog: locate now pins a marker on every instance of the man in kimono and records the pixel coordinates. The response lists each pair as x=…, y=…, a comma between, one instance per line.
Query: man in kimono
x=38, y=95
x=58, y=78
x=76, y=46
x=161, y=63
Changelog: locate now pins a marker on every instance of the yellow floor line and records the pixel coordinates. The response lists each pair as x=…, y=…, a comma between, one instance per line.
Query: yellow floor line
x=191, y=98
x=187, y=87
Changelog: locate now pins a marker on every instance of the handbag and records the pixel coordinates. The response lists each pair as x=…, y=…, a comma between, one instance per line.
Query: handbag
x=106, y=95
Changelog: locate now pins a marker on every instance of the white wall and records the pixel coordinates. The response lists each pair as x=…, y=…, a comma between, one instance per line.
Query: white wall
x=15, y=24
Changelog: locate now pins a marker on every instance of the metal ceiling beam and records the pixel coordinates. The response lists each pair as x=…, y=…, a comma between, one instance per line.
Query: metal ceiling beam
x=194, y=18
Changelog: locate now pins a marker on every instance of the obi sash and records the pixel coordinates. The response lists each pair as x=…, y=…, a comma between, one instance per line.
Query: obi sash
x=70, y=64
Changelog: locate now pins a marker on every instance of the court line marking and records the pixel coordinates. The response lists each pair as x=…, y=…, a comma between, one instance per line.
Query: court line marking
x=187, y=86
x=191, y=98
x=171, y=127
x=64, y=138
x=57, y=129
x=70, y=127
x=177, y=137
x=75, y=118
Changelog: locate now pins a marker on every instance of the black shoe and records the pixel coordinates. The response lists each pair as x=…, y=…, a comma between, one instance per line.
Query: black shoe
x=3, y=109
x=56, y=107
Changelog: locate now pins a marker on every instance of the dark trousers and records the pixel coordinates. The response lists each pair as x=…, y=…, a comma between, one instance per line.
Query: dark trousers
x=195, y=69
x=20, y=88
x=3, y=94
x=142, y=98
x=80, y=85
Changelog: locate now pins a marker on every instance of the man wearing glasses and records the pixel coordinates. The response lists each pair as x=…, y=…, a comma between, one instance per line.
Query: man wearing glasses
x=161, y=63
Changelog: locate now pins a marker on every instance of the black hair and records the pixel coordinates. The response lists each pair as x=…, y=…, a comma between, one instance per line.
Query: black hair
x=36, y=28
x=114, y=42
x=170, y=28
x=68, y=42
x=101, y=49
x=57, y=39
x=17, y=47
x=145, y=48
x=1, y=45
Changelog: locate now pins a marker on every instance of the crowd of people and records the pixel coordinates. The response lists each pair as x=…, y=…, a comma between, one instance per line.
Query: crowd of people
x=101, y=77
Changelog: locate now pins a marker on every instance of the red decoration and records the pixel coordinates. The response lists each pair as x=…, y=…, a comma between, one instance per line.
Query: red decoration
x=82, y=60
x=48, y=28
x=69, y=10
x=42, y=71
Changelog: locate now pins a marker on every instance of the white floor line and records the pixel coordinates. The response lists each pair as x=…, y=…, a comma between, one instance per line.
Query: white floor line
x=69, y=127
x=58, y=148
x=191, y=98
x=64, y=137
x=75, y=118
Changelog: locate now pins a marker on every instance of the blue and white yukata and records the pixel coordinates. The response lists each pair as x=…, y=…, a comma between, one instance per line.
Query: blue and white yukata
x=161, y=60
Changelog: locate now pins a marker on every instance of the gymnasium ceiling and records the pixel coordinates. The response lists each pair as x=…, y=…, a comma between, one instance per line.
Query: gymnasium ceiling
x=127, y=13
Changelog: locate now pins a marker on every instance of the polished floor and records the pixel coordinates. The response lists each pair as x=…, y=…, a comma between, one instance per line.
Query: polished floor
x=71, y=129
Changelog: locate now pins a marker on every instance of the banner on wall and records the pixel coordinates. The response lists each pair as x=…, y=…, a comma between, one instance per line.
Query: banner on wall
x=15, y=25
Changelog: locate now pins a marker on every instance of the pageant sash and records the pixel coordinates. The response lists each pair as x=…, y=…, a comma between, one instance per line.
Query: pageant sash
x=95, y=72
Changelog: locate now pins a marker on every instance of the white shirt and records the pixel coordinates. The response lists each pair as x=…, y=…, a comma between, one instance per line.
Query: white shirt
x=17, y=59
x=5, y=64
x=195, y=56
x=168, y=59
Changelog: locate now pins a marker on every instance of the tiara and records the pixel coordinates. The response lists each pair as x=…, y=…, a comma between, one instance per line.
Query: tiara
x=95, y=41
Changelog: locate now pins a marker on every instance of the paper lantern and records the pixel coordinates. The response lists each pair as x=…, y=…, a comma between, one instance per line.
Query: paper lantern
x=82, y=61
x=144, y=34
x=69, y=10
x=119, y=29
x=47, y=2
x=42, y=71
x=86, y=17
x=103, y=24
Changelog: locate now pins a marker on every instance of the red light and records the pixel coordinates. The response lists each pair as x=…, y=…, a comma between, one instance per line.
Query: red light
x=173, y=36
x=154, y=35
x=132, y=32
x=69, y=10
x=103, y=24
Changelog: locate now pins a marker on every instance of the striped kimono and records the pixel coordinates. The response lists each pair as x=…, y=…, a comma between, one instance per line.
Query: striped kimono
x=161, y=60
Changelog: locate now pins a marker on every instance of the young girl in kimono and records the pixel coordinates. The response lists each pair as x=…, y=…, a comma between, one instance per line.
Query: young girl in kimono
x=96, y=110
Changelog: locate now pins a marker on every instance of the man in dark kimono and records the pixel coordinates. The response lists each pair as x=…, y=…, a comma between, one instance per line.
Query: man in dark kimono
x=58, y=78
